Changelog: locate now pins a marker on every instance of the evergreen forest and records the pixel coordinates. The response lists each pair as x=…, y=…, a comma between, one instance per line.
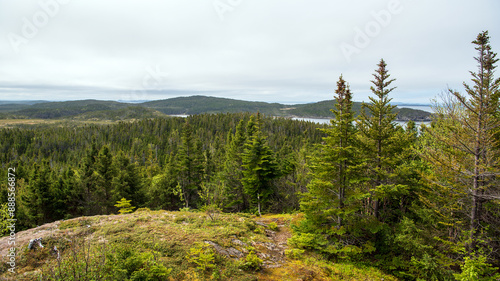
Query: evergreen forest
x=416, y=202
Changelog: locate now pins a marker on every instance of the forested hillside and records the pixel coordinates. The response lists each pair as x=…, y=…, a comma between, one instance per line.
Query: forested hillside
x=202, y=104
x=111, y=110
x=149, y=156
x=414, y=203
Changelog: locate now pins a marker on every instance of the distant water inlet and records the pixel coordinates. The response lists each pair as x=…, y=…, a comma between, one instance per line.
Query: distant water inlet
x=427, y=108
x=327, y=121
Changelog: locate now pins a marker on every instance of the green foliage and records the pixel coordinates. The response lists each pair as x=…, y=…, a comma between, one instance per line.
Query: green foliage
x=380, y=139
x=105, y=172
x=211, y=210
x=258, y=163
x=202, y=104
x=232, y=171
x=90, y=167
x=330, y=206
x=203, y=256
x=476, y=268
x=273, y=226
x=124, y=206
x=428, y=268
x=86, y=262
x=190, y=166
x=461, y=149
x=4, y=215
x=165, y=191
x=410, y=238
x=127, y=181
x=130, y=264
x=113, y=111
x=39, y=196
x=147, y=245
x=294, y=253
x=252, y=261
x=416, y=204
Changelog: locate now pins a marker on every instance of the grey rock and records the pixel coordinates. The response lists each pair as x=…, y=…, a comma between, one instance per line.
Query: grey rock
x=261, y=224
x=239, y=242
x=234, y=253
x=218, y=248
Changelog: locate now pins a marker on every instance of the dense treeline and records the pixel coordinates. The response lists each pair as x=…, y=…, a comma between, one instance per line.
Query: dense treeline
x=421, y=204
x=167, y=163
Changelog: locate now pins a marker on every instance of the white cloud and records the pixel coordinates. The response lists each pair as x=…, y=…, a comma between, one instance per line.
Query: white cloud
x=270, y=50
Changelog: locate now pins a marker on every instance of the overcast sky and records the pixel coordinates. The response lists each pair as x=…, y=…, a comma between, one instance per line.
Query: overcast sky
x=288, y=51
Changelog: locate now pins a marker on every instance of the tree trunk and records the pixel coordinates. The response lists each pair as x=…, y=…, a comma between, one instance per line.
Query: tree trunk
x=378, y=180
x=258, y=204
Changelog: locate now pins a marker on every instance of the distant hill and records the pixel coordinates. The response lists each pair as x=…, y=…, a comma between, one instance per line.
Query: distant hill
x=89, y=109
x=129, y=112
x=203, y=104
x=51, y=110
x=322, y=109
x=26, y=102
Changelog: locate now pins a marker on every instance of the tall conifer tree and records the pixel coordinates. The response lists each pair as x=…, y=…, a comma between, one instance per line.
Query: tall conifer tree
x=463, y=150
x=126, y=183
x=105, y=172
x=89, y=181
x=259, y=166
x=378, y=137
x=39, y=196
x=331, y=198
x=232, y=172
x=190, y=165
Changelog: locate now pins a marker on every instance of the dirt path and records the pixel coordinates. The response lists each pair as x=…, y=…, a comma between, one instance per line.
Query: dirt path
x=275, y=254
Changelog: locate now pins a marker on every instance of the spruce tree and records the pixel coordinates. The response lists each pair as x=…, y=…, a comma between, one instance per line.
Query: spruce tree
x=68, y=195
x=126, y=182
x=39, y=198
x=105, y=173
x=190, y=165
x=331, y=201
x=462, y=148
x=124, y=206
x=232, y=172
x=378, y=138
x=163, y=193
x=259, y=166
x=89, y=181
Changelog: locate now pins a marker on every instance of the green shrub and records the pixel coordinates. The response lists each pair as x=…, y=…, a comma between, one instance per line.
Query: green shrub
x=212, y=211
x=203, y=256
x=273, y=226
x=428, y=268
x=4, y=215
x=145, y=209
x=250, y=225
x=476, y=268
x=75, y=223
x=84, y=261
x=252, y=261
x=124, y=206
x=294, y=253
